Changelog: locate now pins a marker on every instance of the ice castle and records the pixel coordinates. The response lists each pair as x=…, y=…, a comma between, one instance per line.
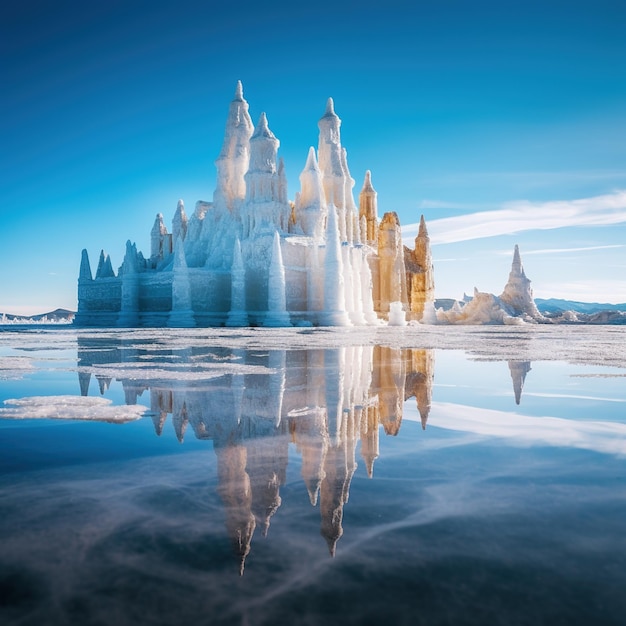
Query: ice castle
x=252, y=257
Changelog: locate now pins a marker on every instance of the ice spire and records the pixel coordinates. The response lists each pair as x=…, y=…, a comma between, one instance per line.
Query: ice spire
x=239, y=92
x=518, y=293
x=262, y=175
x=276, y=300
x=237, y=315
x=368, y=209
x=234, y=157
x=179, y=223
x=159, y=244
x=105, y=269
x=311, y=208
x=85, y=268
x=334, y=312
x=182, y=313
x=330, y=162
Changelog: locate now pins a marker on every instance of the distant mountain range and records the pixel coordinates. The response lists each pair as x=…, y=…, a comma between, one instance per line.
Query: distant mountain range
x=54, y=316
x=554, y=305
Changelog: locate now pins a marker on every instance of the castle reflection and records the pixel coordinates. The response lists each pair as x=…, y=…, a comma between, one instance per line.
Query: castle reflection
x=253, y=404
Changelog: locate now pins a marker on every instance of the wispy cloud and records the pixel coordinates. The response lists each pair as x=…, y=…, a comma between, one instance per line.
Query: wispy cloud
x=519, y=216
x=527, y=178
x=566, y=250
x=562, y=250
x=598, y=290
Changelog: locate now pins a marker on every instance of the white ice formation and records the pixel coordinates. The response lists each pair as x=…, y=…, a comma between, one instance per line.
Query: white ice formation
x=252, y=257
x=514, y=306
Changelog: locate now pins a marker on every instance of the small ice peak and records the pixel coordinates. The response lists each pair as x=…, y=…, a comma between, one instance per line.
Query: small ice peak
x=367, y=183
x=239, y=92
x=311, y=161
x=180, y=221
x=517, y=267
x=262, y=129
x=159, y=227
x=330, y=109
x=85, y=267
x=423, y=231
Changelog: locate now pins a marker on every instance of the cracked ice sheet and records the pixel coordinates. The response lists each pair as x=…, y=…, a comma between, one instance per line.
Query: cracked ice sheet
x=598, y=345
x=161, y=371
x=14, y=367
x=70, y=408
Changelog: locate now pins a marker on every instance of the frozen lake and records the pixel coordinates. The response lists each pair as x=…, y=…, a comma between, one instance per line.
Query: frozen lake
x=427, y=475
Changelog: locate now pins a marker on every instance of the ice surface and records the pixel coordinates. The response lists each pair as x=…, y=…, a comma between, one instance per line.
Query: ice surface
x=70, y=408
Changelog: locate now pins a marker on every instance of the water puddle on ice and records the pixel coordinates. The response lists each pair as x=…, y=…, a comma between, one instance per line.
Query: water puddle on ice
x=465, y=476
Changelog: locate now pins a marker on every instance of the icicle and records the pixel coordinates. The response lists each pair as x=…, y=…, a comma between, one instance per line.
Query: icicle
x=333, y=313
x=237, y=315
x=276, y=299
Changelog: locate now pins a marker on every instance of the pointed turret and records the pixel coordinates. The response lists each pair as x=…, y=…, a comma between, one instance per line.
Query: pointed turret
x=368, y=209
x=179, y=223
x=392, y=276
x=85, y=267
x=238, y=92
x=516, y=267
x=262, y=184
x=311, y=207
x=420, y=273
x=234, y=157
x=329, y=151
x=160, y=241
x=105, y=269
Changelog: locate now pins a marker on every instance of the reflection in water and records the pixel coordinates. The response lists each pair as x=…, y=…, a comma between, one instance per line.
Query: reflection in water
x=518, y=369
x=323, y=401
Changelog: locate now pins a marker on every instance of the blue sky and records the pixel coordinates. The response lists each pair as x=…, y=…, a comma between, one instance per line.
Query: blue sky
x=502, y=122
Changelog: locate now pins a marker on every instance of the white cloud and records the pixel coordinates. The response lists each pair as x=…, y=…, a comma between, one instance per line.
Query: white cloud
x=519, y=216
x=566, y=250
x=598, y=290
